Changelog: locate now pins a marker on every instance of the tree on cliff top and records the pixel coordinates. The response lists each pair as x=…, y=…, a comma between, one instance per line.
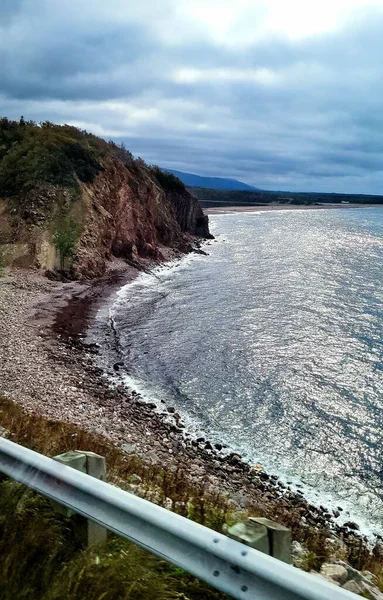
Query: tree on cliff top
x=32, y=154
x=168, y=181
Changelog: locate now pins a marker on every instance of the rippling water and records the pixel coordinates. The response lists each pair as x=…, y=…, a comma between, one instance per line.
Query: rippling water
x=273, y=344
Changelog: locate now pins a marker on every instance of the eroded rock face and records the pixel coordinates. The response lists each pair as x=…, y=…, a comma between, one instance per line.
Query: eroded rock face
x=189, y=214
x=128, y=215
x=123, y=213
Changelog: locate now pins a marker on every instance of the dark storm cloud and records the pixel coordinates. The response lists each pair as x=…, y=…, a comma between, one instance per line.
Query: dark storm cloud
x=299, y=114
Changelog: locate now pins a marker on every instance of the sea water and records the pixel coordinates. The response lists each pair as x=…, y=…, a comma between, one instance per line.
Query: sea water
x=273, y=344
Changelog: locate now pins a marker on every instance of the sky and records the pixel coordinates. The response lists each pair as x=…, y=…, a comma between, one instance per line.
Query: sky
x=281, y=94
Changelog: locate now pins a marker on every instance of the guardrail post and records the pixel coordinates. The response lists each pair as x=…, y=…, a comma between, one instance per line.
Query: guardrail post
x=264, y=535
x=279, y=539
x=89, y=534
x=251, y=534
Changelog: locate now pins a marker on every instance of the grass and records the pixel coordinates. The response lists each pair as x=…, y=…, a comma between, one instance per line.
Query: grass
x=42, y=560
x=169, y=489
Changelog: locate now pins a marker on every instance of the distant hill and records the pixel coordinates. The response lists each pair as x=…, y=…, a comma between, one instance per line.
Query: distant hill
x=216, y=198
x=213, y=183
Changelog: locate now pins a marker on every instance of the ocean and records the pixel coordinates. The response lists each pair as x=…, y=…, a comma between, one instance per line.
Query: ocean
x=273, y=345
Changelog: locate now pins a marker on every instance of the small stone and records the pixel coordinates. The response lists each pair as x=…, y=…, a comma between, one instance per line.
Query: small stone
x=129, y=448
x=171, y=409
x=352, y=586
x=334, y=572
x=297, y=550
x=234, y=458
x=351, y=525
x=4, y=433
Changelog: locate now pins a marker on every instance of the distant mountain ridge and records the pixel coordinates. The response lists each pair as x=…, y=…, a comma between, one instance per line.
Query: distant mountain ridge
x=212, y=183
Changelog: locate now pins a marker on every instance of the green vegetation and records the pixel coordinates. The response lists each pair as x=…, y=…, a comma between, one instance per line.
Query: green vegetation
x=39, y=155
x=66, y=237
x=168, y=181
x=42, y=169
x=36, y=155
x=42, y=561
x=215, y=198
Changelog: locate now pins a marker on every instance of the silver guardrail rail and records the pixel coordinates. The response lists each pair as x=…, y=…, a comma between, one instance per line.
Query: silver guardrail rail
x=227, y=565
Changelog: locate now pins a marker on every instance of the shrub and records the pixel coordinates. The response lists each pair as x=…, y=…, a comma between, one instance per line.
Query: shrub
x=3, y=260
x=168, y=181
x=120, y=152
x=32, y=154
x=66, y=237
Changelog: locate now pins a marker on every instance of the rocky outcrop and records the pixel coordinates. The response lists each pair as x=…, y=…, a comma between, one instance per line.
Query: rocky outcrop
x=339, y=573
x=126, y=215
x=189, y=213
x=342, y=574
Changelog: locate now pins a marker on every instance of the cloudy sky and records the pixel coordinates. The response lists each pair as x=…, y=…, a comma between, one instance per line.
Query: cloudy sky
x=282, y=94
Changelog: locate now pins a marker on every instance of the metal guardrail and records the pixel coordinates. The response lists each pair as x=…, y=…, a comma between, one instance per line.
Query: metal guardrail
x=227, y=565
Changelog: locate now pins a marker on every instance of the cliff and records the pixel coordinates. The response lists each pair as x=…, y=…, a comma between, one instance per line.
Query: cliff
x=128, y=215
x=71, y=201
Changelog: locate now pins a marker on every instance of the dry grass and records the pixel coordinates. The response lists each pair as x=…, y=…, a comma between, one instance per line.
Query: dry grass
x=170, y=489
x=122, y=570
x=41, y=561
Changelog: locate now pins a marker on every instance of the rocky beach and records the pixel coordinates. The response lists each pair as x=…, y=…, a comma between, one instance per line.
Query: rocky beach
x=47, y=369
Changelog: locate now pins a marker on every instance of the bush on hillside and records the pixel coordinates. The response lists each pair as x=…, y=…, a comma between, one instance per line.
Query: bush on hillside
x=168, y=181
x=32, y=154
x=66, y=238
x=119, y=151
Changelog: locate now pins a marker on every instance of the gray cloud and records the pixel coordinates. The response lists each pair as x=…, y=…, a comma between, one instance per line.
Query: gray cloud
x=277, y=112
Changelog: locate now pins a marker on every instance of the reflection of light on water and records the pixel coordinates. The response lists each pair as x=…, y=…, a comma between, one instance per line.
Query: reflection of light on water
x=273, y=345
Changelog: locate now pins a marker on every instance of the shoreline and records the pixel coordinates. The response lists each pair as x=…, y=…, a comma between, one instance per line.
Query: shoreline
x=222, y=210
x=51, y=372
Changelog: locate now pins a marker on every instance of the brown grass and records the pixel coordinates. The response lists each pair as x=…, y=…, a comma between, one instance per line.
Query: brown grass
x=172, y=490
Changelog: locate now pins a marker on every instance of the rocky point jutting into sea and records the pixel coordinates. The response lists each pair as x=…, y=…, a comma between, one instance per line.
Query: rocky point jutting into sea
x=69, y=241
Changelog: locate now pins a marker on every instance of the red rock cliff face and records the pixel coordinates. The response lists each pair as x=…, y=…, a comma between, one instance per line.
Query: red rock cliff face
x=189, y=213
x=125, y=213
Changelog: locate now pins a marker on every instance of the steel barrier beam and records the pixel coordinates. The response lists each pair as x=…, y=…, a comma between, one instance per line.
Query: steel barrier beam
x=227, y=565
